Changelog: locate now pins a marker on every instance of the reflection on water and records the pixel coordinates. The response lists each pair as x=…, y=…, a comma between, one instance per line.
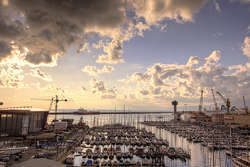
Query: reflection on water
x=200, y=156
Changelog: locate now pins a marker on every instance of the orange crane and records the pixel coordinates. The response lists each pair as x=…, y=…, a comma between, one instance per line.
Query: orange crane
x=215, y=103
x=201, y=101
x=226, y=100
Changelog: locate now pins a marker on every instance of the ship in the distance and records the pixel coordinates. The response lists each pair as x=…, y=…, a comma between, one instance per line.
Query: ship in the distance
x=82, y=111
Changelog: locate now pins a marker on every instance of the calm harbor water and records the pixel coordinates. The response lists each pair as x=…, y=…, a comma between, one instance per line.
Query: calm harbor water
x=200, y=156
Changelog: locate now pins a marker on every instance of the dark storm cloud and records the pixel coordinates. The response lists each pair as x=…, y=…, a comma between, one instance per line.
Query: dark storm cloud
x=105, y=13
x=39, y=58
x=53, y=26
x=49, y=27
x=10, y=31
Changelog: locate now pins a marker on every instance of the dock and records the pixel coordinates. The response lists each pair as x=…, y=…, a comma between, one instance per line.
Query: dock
x=103, y=112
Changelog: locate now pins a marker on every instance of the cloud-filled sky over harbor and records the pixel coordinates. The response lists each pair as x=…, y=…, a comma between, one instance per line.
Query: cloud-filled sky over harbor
x=142, y=53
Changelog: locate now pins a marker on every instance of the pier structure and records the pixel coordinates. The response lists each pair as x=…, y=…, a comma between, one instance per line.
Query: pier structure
x=117, y=112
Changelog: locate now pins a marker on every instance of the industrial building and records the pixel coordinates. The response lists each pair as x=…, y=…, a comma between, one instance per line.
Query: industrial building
x=21, y=122
x=237, y=119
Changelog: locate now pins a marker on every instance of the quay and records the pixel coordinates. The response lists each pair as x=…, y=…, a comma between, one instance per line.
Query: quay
x=103, y=112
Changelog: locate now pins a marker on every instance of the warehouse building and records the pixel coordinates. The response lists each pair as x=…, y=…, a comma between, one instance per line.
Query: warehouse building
x=21, y=122
x=237, y=119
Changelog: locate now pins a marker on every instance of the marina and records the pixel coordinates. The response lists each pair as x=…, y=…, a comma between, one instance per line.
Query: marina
x=120, y=145
x=148, y=139
x=124, y=83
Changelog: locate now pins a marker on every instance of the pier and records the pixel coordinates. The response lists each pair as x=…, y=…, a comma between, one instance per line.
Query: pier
x=103, y=112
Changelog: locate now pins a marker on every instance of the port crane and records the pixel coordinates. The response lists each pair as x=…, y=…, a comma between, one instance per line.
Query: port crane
x=226, y=100
x=54, y=100
x=215, y=103
x=201, y=101
x=245, y=106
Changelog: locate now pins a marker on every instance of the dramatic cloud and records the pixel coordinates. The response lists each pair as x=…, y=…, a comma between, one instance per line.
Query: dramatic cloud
x=246, y=47
x=11, y=76
x=11, y=29
x=169, y=81
x=139, y=77
x=92, y=70
x=48, y=28
x=141, y=27
x=99, y=89
x=84, y=47
x=42, y=59
x=213, y=58
x=113, y=52
x=38, y=33
x=155, y=11
x=97, y=86
x=42, y=75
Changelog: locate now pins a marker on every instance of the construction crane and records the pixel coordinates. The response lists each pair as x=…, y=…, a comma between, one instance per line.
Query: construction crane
x=54, y=100
x=215, y=103
x=201, y=101
x=226, y=100
x=245, y=106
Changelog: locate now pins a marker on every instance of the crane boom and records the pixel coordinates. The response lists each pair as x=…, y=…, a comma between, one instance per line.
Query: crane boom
x=245, y=106
x=54, y=100
x=222, y=97
x=201, y=101
x=215, y=103
x=226, y=100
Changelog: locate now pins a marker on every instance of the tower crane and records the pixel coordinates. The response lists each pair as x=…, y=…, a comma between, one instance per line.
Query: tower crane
x=215, y=103
x=201, y=101
x=54, y=100
x=226, y=100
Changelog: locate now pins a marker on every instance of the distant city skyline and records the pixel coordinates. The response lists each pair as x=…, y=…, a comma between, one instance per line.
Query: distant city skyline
x=144, y=54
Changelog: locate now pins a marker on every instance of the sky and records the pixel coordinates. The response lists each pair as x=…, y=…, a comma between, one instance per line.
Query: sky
x=143, y=53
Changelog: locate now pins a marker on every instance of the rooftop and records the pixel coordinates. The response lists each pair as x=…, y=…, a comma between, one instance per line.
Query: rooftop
x=22, y=110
